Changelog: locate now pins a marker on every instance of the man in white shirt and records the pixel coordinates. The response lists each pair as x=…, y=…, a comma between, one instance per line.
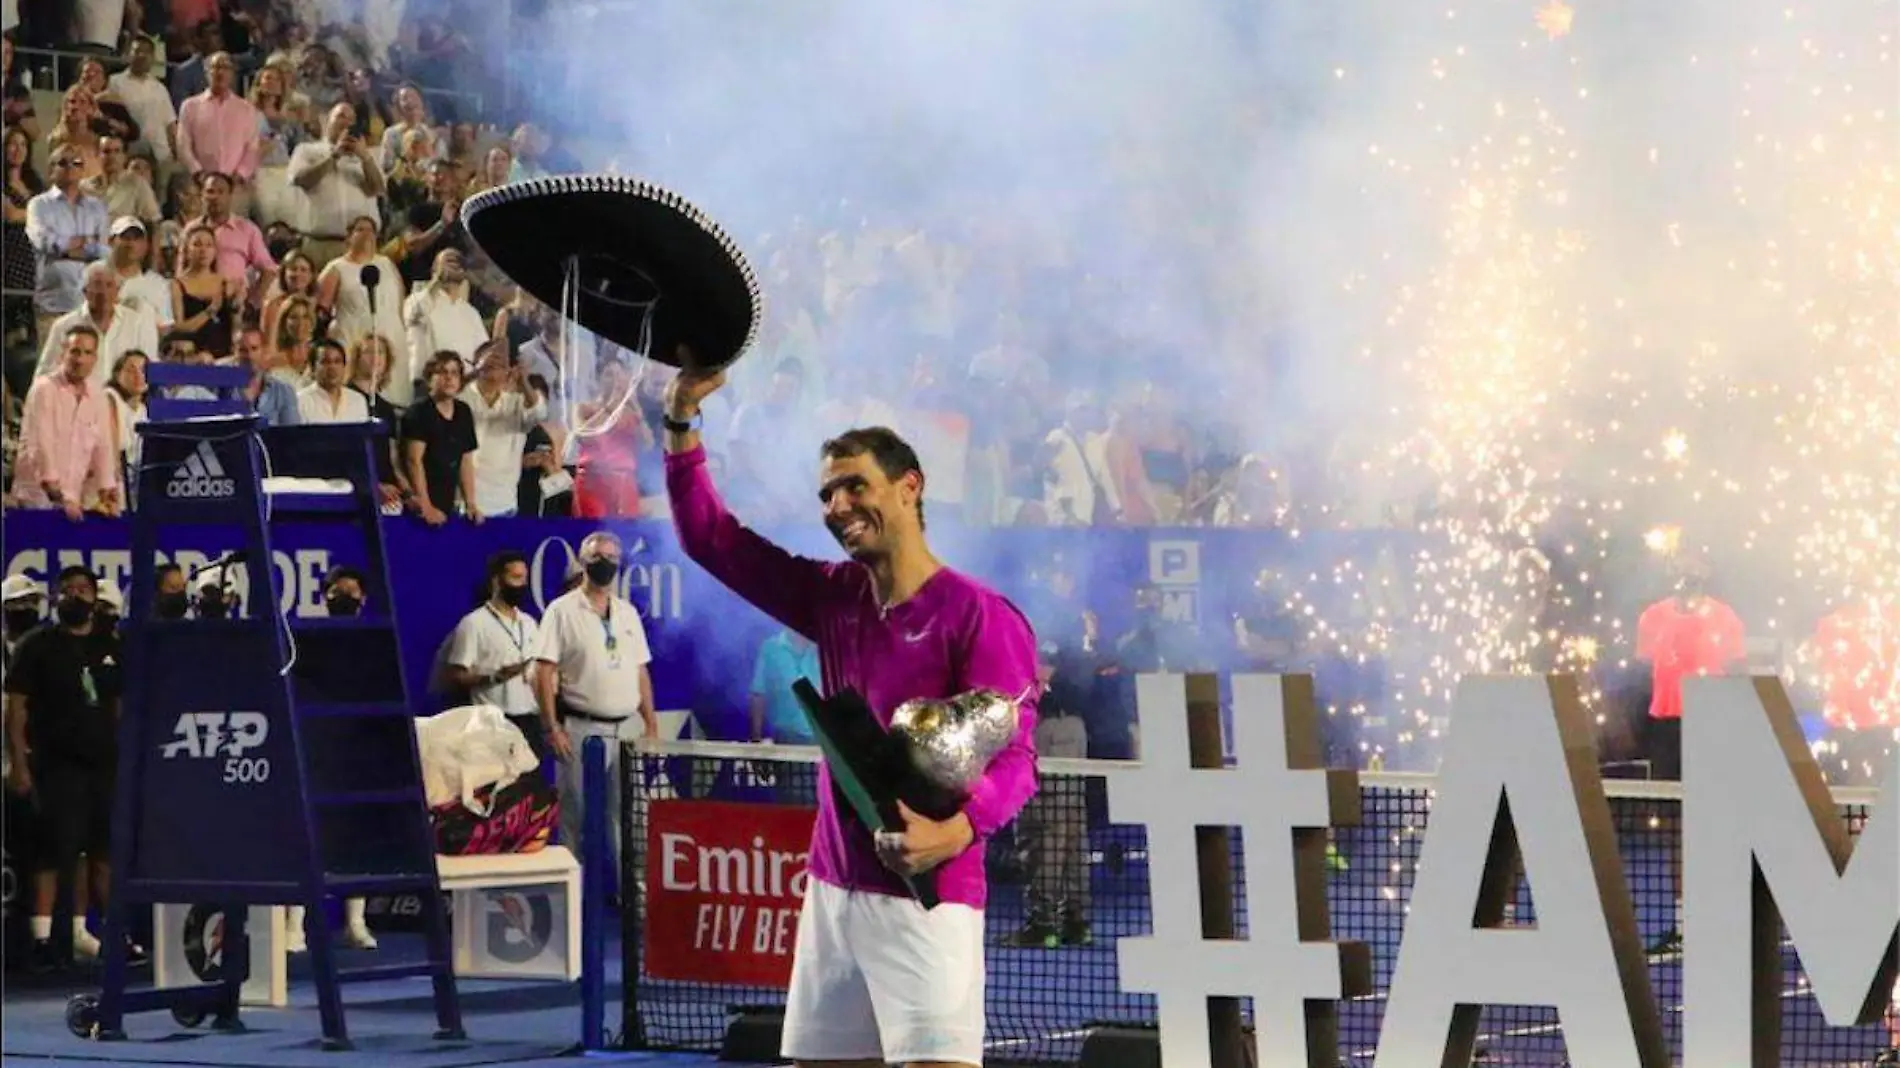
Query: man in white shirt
x=139, y=287
x=98, y=23
x=148, y=100
x=506, y=407
x=591, y=679
x=341, y=181
x=491, y=649
x=440, y=318
x=1080, y=493
x=329, y=399
x=121, y=328
x=122, y=190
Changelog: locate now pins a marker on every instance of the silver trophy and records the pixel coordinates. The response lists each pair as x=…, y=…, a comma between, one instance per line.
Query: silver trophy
x=951, y=742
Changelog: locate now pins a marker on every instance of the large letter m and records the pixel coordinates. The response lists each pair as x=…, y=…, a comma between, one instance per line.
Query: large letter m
x=1765, y=843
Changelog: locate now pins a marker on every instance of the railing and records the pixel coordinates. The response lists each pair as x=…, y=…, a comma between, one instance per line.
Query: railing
x=49, y=74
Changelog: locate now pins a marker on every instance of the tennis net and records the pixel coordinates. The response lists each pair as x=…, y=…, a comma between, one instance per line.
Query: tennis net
x=1066, y=884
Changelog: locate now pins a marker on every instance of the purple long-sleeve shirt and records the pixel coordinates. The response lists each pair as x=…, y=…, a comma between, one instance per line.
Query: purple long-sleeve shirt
x=954, y=635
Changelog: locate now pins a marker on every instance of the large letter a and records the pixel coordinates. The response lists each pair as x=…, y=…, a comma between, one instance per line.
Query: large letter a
x=1520, y=776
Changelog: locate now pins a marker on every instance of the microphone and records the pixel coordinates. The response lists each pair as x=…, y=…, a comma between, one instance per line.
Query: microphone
x=235, y=556
x=371, y=276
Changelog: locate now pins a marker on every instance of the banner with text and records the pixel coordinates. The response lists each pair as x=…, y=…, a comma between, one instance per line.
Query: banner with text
x=704, y=639
x=724, y=885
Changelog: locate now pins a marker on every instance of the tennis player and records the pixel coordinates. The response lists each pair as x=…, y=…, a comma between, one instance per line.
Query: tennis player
x=876, y=977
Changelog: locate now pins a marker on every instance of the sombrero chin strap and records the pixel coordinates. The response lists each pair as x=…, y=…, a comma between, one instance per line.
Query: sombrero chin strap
x=571, y=359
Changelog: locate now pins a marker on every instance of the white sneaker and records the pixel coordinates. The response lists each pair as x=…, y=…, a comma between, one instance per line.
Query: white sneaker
x=356, y=924
x=293, y=930
x=85, y=946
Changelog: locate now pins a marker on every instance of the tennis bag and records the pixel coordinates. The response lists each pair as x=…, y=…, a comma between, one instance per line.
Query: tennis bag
x=521, y=816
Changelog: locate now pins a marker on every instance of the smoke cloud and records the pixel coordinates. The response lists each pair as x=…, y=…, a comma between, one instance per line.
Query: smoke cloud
x=1529, y=281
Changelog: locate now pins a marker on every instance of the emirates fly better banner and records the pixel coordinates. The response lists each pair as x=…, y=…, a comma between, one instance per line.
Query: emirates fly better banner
x=724, y=885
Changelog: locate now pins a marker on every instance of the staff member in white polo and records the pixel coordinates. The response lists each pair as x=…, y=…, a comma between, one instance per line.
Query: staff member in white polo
x=492, y=649
x=592, y=679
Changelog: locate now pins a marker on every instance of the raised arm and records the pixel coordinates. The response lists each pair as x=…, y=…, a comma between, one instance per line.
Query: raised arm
x=786, y=587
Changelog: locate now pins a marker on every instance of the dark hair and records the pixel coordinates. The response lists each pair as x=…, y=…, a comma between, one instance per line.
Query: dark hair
x=498, y=563
x=442, y=358
x=81, y=330
x=205, y=178
x=330, y=344
x=28, y=176
x=344, y=571
x=892, y=454
x=158, y=577
x=77, y=571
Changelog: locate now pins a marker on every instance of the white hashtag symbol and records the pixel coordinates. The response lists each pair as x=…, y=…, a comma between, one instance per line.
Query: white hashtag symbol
x=1266, y=799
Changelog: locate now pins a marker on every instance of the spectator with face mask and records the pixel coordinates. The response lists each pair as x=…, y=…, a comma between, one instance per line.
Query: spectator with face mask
x=343, y=592
x=62, y=727
x=172, y=600
x=343, y=599
x=24, y=605
x=591, y=679
x=109, y=607
x=490, y=650
x=217, y=594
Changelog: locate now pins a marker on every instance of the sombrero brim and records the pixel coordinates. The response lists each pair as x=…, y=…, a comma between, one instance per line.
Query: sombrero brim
x=632, y=245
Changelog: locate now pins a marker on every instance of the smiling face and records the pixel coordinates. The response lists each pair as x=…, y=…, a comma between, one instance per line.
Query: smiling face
x=869, y=513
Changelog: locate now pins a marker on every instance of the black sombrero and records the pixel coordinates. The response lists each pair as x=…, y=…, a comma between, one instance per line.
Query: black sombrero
x=626, y=259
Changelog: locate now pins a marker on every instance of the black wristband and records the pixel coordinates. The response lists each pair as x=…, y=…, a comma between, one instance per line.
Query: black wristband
x=675, y=426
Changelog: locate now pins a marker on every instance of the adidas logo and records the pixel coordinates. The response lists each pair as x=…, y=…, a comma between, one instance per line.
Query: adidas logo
x=201, y=477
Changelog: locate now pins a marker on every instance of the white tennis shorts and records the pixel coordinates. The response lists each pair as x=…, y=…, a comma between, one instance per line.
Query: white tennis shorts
x=876, y=976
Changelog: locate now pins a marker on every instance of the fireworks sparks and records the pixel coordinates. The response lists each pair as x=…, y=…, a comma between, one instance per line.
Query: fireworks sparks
x=1721, y=382
x=1555, y=18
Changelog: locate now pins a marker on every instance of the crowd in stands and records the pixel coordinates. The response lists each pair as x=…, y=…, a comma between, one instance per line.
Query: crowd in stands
x=247, y=189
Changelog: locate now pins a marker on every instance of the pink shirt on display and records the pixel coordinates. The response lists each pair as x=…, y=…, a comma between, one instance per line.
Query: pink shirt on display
x=241, y=248
x=66, y=439
x=954, y=635
x=218, y=134
x=1682, y=639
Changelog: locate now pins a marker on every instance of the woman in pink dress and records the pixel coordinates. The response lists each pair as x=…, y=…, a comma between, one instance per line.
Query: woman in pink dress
x=609, y=444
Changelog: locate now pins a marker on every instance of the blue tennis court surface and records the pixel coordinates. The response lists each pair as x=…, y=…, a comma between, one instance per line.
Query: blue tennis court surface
x=1042, y=1001
x=528, y=1025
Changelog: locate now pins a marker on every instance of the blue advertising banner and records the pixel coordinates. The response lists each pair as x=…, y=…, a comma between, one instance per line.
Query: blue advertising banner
x=705, y=639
